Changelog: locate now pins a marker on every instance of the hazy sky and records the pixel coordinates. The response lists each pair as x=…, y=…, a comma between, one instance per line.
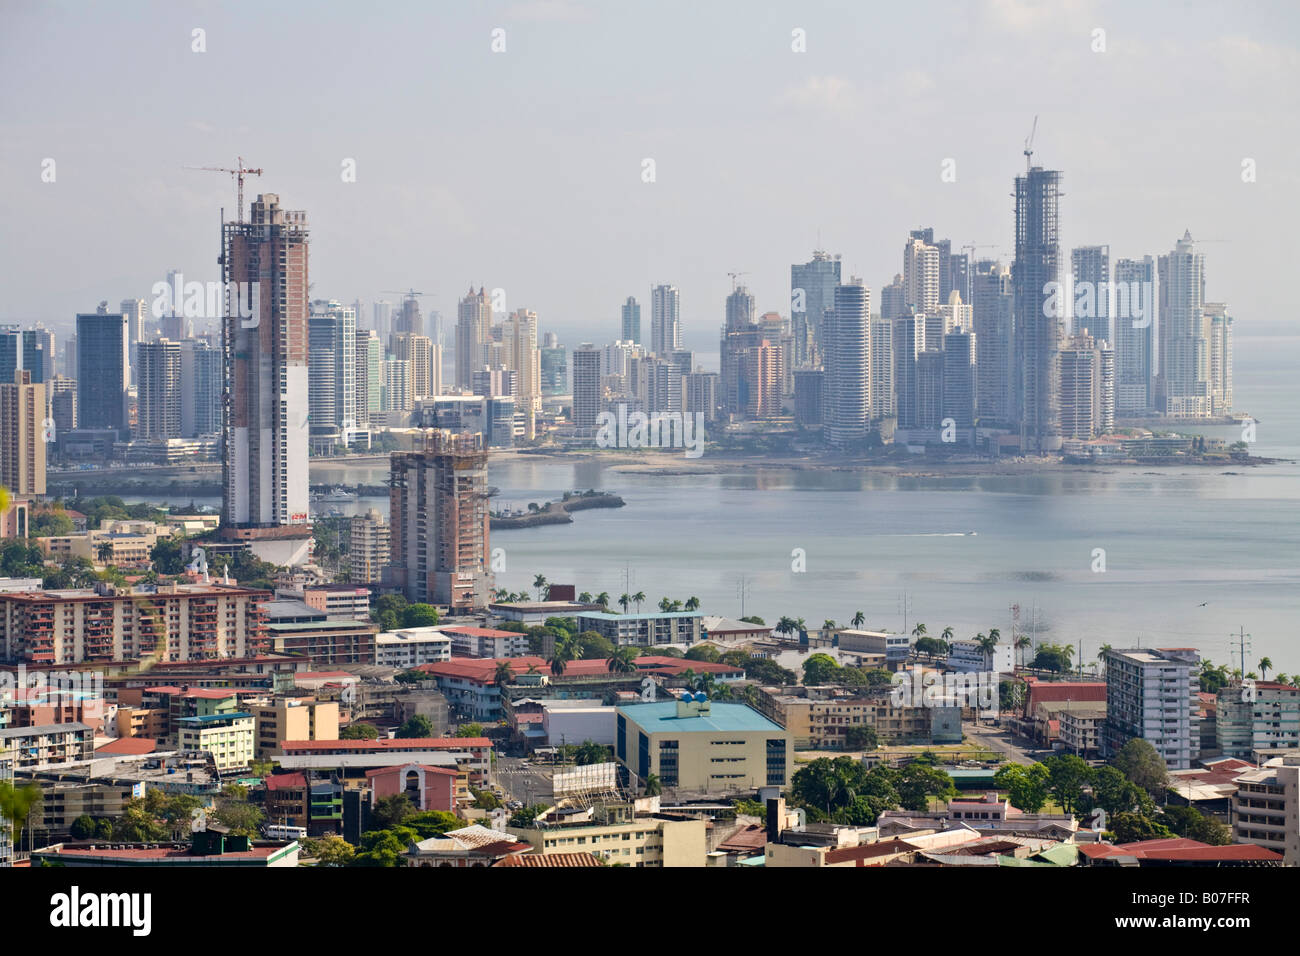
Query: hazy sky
x=523, y=169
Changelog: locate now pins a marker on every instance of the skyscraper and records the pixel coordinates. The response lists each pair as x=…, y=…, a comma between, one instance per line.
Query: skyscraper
x=103, y=371
x=909, y=345
x=959, y=378
x=554, y=367
x=332, y=331
x=812, y=293
x=158, y=413
x=1135, y=329
x=426, y=371
x=519, y=336
x=1035, y=274
x=630, y=327
x=1184, y=333
x=1220, y=358
x=370, y=377
x=201, y=380
x=1090, y=304
x=408, y=317
x=665, y=319
x=587, y=391
x=473, y=330
x=264, y=471
x=38, y=354
x=920, y=275
x=438, y=516
x=22, y=442
x=994, y=340
x=848, y=365
x=882, y=370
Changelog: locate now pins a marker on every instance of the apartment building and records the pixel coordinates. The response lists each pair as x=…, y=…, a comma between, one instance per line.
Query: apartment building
x=171, y=622
x=227, y=737
x=293, y=718
x=638, y=840
x=34, y=748
x=819, y=718
x=1266, y=807
x=644, y=630
x=1261, y=715
x=412, y=647
x=1152, y=694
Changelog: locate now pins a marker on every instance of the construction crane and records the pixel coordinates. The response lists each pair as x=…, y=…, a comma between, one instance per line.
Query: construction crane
x=734, y=275
x=409, y=293
x=1029, y=145
x=239, y=173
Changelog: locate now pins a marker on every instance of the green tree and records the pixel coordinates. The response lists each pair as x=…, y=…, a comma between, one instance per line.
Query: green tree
x=233, y=810
x=524, y=817
x=1194, y=825
x=1133, y=828
x=417, y=725
x=331, y=850
x=703, y=652
x=623, y=661
x=917, y=783
x=385, y=847
x=652, y=785
x=1027, y=786
x=359, y=732
x=820, y=669
x=470, y=730
x=1068, y=775
x=590, y=752
x=1142, y=765
x=861, y=737
x=391, y=811
x=419, y=615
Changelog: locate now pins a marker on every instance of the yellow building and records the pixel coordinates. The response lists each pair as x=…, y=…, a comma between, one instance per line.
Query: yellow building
x=299, y=718
x=693, y=744
x=648, y=840
x=228, y=737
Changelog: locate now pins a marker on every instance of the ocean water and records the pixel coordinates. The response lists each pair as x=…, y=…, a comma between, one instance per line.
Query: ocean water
x=1193, y=556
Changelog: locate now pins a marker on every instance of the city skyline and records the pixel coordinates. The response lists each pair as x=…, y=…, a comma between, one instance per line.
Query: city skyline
x=675, y=233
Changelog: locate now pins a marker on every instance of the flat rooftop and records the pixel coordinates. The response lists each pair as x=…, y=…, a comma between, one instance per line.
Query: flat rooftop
x=661, y=718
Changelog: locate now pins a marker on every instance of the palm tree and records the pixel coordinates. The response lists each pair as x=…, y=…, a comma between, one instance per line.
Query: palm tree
x=1265, y=665
x=859, y=619
x=665, y=604
x=692, y=603
x=1023, y=642
x=105, y=552
x=786, y=626
x=501, y=593
x=675, y=606
x=637, y=599
x=918, y=631
x=704, y=682
x=584, y=597
x=623, y=661
x=829, y=625
x=603, y=600
x=539, y=582
x=625, y=599
x=987, y=644
x=503, y=676
x=653, y=787
x=946, y=636
x=564, y=652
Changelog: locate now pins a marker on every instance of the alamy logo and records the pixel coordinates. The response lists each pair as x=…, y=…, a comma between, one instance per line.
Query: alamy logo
x=75, y=909
x=207, y=300
x=661, y=430
x=1100, y=300
x=949, y=690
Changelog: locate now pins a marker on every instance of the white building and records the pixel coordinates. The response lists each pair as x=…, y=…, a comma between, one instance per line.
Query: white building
x=412, y=647
x=969, y=657
x=1152, y=694
x=1266, y=808
x=577, y=721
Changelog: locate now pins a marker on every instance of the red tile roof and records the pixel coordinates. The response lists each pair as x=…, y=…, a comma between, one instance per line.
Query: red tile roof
x=388, y=743
x=1179, y=848
x=406, y=766
x=566, y=860
x=129, y=746
x=286, y=781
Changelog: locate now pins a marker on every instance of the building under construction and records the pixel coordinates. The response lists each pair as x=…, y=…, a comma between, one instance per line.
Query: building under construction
x=438, y=514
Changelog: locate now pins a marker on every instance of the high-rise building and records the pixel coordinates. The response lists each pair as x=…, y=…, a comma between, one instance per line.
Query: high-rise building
x=408, y=318
x=382, y=318
x=700, y=394
x=1090, y=303
x=103, y=371
x=929, y=389
x=11, y=352
x=370, y=375
x=1220, y=358
x=201, y=380
x=762, y=373
x=959, y=378
x=1152, y=694
x=587, y=390
x=369, y=548
x=63, y=404
x=438, y=516
x=630, y=326
x=1087, y=388
x=554, y=367
x=882, y=369
x=920, y=275
x=893, y=299
x=22, y=440
x=812, y=294
x=1184, y=377
x=665, y=319
x=38, y=354
x=265, y=428
x=1036, y=276
x=473, y=331
x=519, y=336
x=160, y=387
x=847, y=353
x=1136, y=357
x=419, y=350
x=398, y=390
x=909, y=345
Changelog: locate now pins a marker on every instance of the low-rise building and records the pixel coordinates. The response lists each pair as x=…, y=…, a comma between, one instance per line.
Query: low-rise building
x=292, y=718
x=1259, y=715
x=429, y=788
x=693, y=744
x=895, y=647
x=469, y=641
x=1081, y=730
x=644, y=630
x=969, y=657
x=34, y=748
x=213, y=847
x=1266, y=807
x=339, y=602
x=633, y=838
x=412, y=647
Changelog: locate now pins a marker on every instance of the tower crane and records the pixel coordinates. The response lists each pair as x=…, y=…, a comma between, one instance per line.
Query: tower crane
x=239, y=172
